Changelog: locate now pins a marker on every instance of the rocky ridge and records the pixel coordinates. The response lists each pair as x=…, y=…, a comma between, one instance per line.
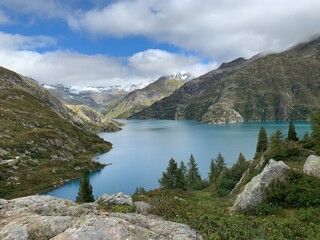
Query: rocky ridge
x=272, y=87
x=95, y=120
x=142, y=98
x=46, y=217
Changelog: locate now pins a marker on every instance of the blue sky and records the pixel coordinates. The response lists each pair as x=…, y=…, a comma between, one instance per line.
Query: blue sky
x=124, y=42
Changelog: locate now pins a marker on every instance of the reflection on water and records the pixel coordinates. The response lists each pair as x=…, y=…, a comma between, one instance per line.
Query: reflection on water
x=142, y=150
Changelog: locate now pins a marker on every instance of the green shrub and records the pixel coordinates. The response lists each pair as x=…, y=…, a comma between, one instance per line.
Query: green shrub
x=301, y=191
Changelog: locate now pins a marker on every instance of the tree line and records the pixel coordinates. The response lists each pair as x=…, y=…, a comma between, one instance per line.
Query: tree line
x=180, y=176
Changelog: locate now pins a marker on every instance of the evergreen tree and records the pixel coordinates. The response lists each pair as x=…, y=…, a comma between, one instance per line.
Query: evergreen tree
x=181, y=181
x=193, y=176
x=168, y=179
x=262, y=143
x=292, y=135
x=139, y=191
x=239, y=168
x=276, y=139
x=230, y=177
x=213, y=173
x=85, y=190
x=220, y=164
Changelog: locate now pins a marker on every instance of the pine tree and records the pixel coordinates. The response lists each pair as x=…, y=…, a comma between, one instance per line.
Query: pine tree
x=292, y=135
x=213, y=173
x=220, y=164
x=262, y=143
x=168, y=179
x=85, y=190
x=239, y=168
x=276, y=139
x=139, y=191
x=193, y=176
x=181, y=181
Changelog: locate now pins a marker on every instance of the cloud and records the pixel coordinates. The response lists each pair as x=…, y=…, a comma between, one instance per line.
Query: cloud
x=75, y=69
x=219, y=29
x=153, y=63
x=20, y=42
x=4, y=19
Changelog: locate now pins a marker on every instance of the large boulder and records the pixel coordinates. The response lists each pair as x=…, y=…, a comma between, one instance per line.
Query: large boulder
x=143, y=207
x=312, y=166
x=115, y=199
x=47, y=217
x=254, y=191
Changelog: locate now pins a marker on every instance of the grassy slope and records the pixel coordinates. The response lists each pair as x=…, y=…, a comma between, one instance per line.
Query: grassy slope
x=51, y=149
x=210, y=215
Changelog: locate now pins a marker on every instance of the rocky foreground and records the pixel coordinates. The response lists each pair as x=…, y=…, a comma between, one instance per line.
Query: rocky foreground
x=47, y=217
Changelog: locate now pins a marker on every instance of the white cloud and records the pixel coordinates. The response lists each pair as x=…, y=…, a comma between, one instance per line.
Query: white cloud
x=153, y=63
x=67, y=68
x=75, y=69
x=220, y=29
x=20, y=42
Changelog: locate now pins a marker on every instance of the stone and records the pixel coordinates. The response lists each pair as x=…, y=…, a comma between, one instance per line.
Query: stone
x=312, y=166
x=254, y=191
x=143, y=207
x=3, y=203
x=115, y=199
x=47, y=217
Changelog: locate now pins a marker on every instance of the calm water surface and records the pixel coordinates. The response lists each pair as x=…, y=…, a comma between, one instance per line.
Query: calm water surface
x=142, y=150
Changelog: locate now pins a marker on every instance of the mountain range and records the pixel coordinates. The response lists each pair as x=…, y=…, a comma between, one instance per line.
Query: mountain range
x=139, y=99
x=272, y=87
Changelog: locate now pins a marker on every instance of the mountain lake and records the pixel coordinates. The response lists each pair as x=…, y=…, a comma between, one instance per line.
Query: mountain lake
x=141, y=151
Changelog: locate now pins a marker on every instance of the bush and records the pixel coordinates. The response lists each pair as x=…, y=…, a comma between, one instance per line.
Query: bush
x=301, y=191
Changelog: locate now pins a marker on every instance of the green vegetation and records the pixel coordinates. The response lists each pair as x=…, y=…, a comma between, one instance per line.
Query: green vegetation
x=209, y=215
x=292, y=135
x=229, y=177
x=45, y=149
x=290, y=210
x=262, y=144
x=85, y=194
x=193, y=177
x=303, y=191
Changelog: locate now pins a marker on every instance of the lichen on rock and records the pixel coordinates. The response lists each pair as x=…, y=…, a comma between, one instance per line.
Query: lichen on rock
x=47, y=217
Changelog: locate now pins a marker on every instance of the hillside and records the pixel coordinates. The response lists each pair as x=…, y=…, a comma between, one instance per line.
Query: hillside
x=277, y=86
x=96, y=121
x=42, y=144
x=141, y=98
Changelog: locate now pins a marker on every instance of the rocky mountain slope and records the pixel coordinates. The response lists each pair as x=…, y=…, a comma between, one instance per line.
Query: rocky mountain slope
x=277, y=86
x=141, y=98
x=42, y=144
x=96, y=98
x=96, y=121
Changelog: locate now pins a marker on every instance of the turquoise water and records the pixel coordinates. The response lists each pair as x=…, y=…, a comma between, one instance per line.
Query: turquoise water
x=142, y=150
